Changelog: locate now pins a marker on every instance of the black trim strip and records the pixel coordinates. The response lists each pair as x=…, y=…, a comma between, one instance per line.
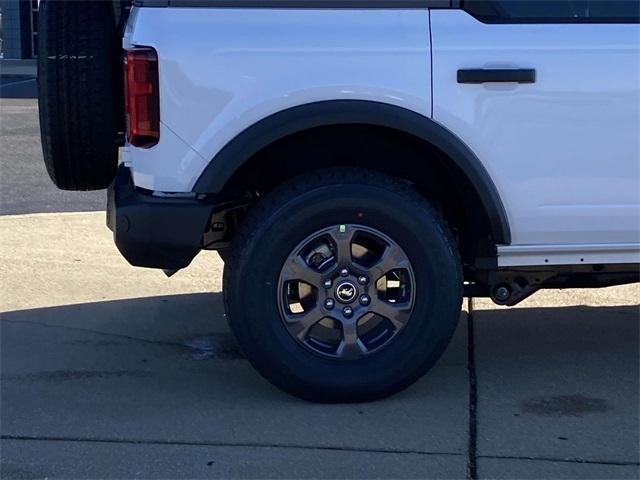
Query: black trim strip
x=498, y=12
x=324, y=4
x=336, y=112
x=558, y=21
x=488, y=75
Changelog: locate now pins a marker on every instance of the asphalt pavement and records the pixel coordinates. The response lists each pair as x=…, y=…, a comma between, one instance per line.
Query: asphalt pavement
x=25, y=186
x=18, y=86
x=110, y=371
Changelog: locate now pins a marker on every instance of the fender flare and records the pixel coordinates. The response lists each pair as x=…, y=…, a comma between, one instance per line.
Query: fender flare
x=335, y=112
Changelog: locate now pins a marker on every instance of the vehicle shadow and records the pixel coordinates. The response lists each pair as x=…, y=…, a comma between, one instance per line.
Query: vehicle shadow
x=536, y=334
x=171, y=320
x=559, y=382
x=193, y=327
x=181, y=339
x=168, y=368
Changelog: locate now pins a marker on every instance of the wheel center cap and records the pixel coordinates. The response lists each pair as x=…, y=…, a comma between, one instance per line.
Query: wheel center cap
x=346, y=292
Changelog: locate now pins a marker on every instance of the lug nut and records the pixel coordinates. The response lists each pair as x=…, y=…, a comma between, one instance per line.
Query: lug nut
x=347, y=312
x=329, y=303
x=365, y=300
x=344, y=272
x=327, y=283
x=363, y=280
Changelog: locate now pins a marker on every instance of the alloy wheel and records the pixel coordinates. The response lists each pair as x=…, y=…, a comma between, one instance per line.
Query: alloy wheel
x=346, y=291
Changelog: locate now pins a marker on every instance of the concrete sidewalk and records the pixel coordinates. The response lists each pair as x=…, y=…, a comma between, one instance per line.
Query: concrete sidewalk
x=113, y=371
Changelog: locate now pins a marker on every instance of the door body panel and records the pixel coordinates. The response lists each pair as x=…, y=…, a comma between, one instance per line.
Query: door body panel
x=564, y=152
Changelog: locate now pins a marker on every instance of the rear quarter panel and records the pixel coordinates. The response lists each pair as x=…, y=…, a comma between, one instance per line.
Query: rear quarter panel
x=222, y=70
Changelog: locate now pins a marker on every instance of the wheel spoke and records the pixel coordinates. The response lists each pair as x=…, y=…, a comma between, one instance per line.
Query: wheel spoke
x=343, y=240
x=299, y=324
x=393, y=258
x=350, y=347
x=396, y=313
x=297, y=269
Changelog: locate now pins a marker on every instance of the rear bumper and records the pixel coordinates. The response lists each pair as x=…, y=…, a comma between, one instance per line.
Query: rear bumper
x=155, y=232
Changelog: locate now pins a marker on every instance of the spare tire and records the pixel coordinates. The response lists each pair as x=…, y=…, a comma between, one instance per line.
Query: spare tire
x=79, y=91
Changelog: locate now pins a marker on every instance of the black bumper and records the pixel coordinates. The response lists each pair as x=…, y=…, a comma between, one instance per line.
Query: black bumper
x=155, y=232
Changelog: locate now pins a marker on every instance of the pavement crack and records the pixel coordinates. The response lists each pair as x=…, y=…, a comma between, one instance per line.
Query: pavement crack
x=472, y=446
x=225, y=444
x=97, y=332
x=561, y=460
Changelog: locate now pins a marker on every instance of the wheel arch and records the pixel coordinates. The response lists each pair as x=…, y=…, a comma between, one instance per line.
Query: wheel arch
x=268, y=131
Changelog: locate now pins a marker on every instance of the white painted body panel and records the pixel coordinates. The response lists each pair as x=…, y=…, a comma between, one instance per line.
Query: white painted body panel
x=222, y=70
x=564, y=152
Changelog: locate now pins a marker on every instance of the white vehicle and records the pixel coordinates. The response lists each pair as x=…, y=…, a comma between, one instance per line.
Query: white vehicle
x=360, y=165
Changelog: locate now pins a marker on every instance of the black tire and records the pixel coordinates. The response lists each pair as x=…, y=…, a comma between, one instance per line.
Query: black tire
x=224, y=254
x=296, y=210
x=79, y=91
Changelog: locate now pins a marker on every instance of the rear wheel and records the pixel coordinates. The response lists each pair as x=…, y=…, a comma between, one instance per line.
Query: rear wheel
x=343, y=287
x=79, y=91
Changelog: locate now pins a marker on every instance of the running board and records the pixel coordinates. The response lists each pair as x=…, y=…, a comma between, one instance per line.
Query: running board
x=569, y=254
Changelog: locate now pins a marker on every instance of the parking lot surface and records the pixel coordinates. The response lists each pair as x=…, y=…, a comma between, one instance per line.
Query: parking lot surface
x=25, y=186
x=112, y=371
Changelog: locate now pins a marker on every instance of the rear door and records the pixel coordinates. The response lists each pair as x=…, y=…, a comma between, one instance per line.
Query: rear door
x=562, y=146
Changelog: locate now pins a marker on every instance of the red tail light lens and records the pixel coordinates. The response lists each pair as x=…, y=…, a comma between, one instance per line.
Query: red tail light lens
x=142, y=101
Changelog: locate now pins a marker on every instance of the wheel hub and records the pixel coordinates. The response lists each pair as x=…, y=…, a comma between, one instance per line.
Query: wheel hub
x=346, y=292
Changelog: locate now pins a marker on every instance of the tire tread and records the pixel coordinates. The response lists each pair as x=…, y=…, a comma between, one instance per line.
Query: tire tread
x=255, y=222
x=77, y=71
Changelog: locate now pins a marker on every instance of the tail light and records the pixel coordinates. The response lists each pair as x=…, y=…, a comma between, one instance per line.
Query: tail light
x=142, y=100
